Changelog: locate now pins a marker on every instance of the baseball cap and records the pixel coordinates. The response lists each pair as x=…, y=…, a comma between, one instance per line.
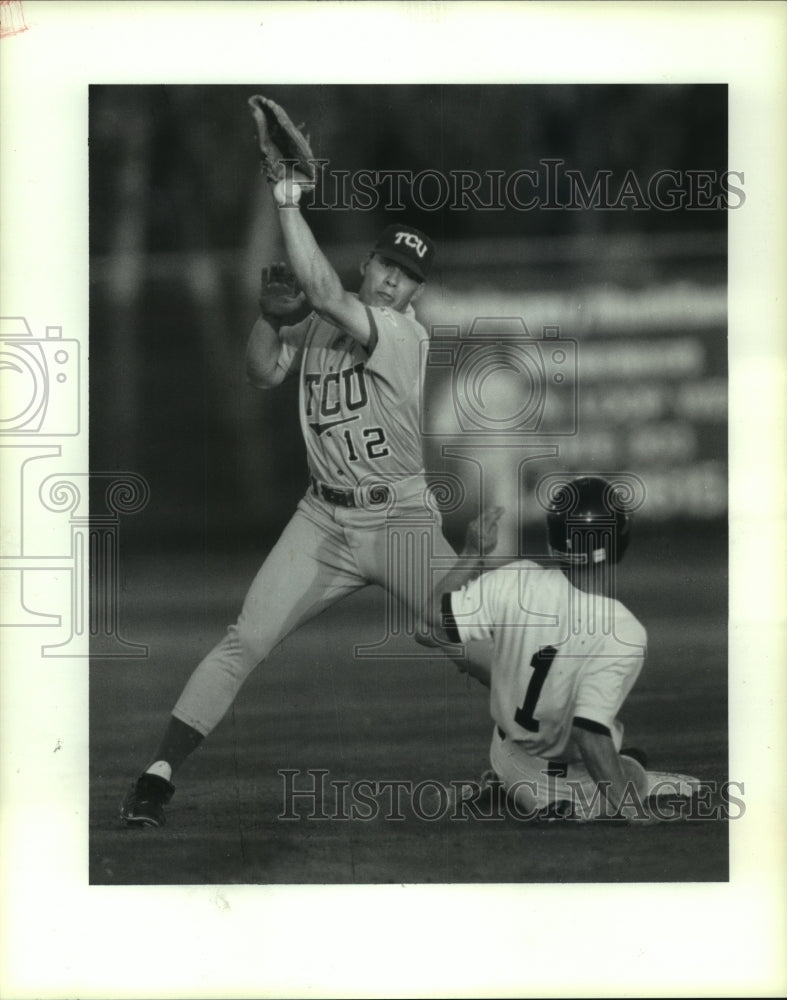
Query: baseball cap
x=407, y=246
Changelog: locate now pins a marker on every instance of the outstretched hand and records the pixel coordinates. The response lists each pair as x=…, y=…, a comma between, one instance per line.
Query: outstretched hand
x=280, y=293
x=481, y=533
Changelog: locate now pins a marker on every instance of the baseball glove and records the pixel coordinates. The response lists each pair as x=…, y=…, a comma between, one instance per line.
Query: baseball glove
x=282, y=144
x=280, y=293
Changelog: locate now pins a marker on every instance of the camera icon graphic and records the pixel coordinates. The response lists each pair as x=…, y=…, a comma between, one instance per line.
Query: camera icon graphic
x=502, y=380
x=39, y=381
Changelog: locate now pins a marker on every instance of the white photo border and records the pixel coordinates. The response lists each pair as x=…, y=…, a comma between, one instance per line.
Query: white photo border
x=62, y=938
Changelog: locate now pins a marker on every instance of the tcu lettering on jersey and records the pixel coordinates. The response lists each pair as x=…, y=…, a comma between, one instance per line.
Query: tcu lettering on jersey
x=412, y=241
x=345, y=389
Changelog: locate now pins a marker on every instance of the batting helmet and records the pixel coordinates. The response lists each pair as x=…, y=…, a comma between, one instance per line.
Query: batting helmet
x=589, y=521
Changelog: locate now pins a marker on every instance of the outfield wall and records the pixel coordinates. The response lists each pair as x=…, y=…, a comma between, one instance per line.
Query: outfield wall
x=643, y=387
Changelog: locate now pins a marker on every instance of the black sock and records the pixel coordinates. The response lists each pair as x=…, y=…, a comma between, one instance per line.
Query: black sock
x=178, y=742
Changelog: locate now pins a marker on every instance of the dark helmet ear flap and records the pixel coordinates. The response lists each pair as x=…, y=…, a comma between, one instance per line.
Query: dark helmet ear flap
x=588, y=521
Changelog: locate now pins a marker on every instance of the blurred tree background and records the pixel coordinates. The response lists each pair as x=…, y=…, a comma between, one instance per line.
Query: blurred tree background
x=181, y=222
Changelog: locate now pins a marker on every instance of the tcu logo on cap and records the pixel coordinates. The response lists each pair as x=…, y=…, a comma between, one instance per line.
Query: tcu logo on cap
x=412, y=241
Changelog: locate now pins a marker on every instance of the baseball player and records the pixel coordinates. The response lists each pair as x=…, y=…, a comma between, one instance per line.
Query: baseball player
x=559, y=654
x=357, y=357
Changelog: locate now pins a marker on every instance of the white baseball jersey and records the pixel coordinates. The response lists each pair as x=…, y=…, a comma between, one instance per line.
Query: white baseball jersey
x=359, y=415
x=560, y=656
x=359, y=404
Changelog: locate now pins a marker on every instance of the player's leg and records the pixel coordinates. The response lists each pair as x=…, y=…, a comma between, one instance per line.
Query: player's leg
x=521, y=775
x=663, y=783
x=406, y=555
x=549, y=789
x=308, y=569
x=587, y=800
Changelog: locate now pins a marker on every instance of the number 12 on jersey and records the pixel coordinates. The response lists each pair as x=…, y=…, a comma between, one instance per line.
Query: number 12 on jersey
x=374, y=443
x=541, y=662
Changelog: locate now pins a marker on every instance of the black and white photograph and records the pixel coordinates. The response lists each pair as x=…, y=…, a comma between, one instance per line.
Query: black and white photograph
x=386, y=498
x=478, y=298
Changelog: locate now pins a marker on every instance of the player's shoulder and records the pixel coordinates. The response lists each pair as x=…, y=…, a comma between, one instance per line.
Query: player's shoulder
x=402, y=323
x=628, y=627
x=530, y=566
x=516, y=566
x=513, y=577
x=540, y=574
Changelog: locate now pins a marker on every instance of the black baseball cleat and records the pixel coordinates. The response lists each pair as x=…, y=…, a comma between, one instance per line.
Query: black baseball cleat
x=145, y=801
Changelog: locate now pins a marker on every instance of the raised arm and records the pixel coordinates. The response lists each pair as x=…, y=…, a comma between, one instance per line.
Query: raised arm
x=314, y=272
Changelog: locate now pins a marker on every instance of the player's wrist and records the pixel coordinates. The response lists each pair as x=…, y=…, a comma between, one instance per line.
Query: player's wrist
x=271, y=319
x=286, y=193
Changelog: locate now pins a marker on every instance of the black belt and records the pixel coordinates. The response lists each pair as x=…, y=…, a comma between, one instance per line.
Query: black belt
x=343, y=497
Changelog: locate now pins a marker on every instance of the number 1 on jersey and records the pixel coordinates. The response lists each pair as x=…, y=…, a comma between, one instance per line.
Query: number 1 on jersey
x=352, y=455
x=541, y=662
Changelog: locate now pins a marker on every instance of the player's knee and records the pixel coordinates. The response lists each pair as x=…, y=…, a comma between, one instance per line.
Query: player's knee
x=523, y=798
x=250, y=645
